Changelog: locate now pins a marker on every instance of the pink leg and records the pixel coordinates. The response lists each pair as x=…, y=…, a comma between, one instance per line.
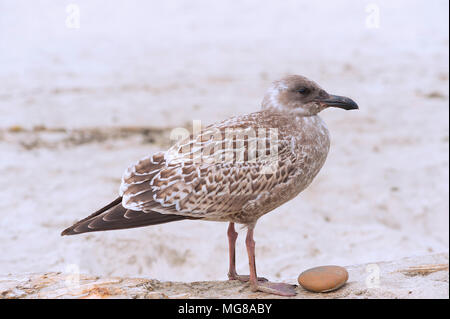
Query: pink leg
x=232, y=236
x=269, y=287
x=232, y=275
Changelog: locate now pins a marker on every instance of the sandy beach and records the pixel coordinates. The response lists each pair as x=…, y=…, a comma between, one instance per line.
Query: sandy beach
x=79, y=105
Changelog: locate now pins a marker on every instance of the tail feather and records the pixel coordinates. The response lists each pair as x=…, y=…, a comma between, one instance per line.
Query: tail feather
x=115, y=216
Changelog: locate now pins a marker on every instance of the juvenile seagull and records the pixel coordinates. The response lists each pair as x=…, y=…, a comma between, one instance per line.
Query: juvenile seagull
x=176, y=185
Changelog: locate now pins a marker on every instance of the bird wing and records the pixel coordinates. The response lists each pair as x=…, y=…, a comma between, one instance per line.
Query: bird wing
x=215, y=173
x=115, y=216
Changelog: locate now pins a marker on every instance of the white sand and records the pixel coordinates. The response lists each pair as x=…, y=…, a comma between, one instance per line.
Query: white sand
x=382, y=194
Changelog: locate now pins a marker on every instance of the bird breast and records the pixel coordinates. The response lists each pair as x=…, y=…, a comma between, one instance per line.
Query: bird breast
x=303, y=147
x=310, y=143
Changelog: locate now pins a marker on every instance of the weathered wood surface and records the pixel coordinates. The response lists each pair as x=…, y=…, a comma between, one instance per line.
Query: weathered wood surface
x=416, y=277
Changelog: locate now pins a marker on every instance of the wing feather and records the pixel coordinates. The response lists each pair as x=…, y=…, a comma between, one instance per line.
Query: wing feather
x=115, y=216
x=179, y=182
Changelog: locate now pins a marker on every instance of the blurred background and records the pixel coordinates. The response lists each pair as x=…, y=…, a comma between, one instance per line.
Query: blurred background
x=89, y=87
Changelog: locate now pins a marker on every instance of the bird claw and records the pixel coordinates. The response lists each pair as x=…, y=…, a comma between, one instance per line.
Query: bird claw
x=244, y=278
x=280, y=289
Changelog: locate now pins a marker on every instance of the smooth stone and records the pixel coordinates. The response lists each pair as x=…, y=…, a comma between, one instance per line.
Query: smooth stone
x=323, y=278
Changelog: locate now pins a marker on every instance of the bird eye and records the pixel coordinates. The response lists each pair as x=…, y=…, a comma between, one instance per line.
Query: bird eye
x=303, y=90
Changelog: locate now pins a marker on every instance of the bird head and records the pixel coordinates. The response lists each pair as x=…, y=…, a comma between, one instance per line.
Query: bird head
x=303, y=97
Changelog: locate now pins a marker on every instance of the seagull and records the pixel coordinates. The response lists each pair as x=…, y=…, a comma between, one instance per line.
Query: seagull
x=234, y=171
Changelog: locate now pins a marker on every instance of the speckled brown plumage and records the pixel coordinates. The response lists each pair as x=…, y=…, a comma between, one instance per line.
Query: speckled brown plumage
x=234, y=171
x=222, y=189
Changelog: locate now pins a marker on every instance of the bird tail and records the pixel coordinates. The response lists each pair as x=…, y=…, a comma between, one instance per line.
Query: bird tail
x=115, y=216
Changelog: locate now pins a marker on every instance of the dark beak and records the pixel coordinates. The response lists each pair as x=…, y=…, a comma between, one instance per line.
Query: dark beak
x=339, y=101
